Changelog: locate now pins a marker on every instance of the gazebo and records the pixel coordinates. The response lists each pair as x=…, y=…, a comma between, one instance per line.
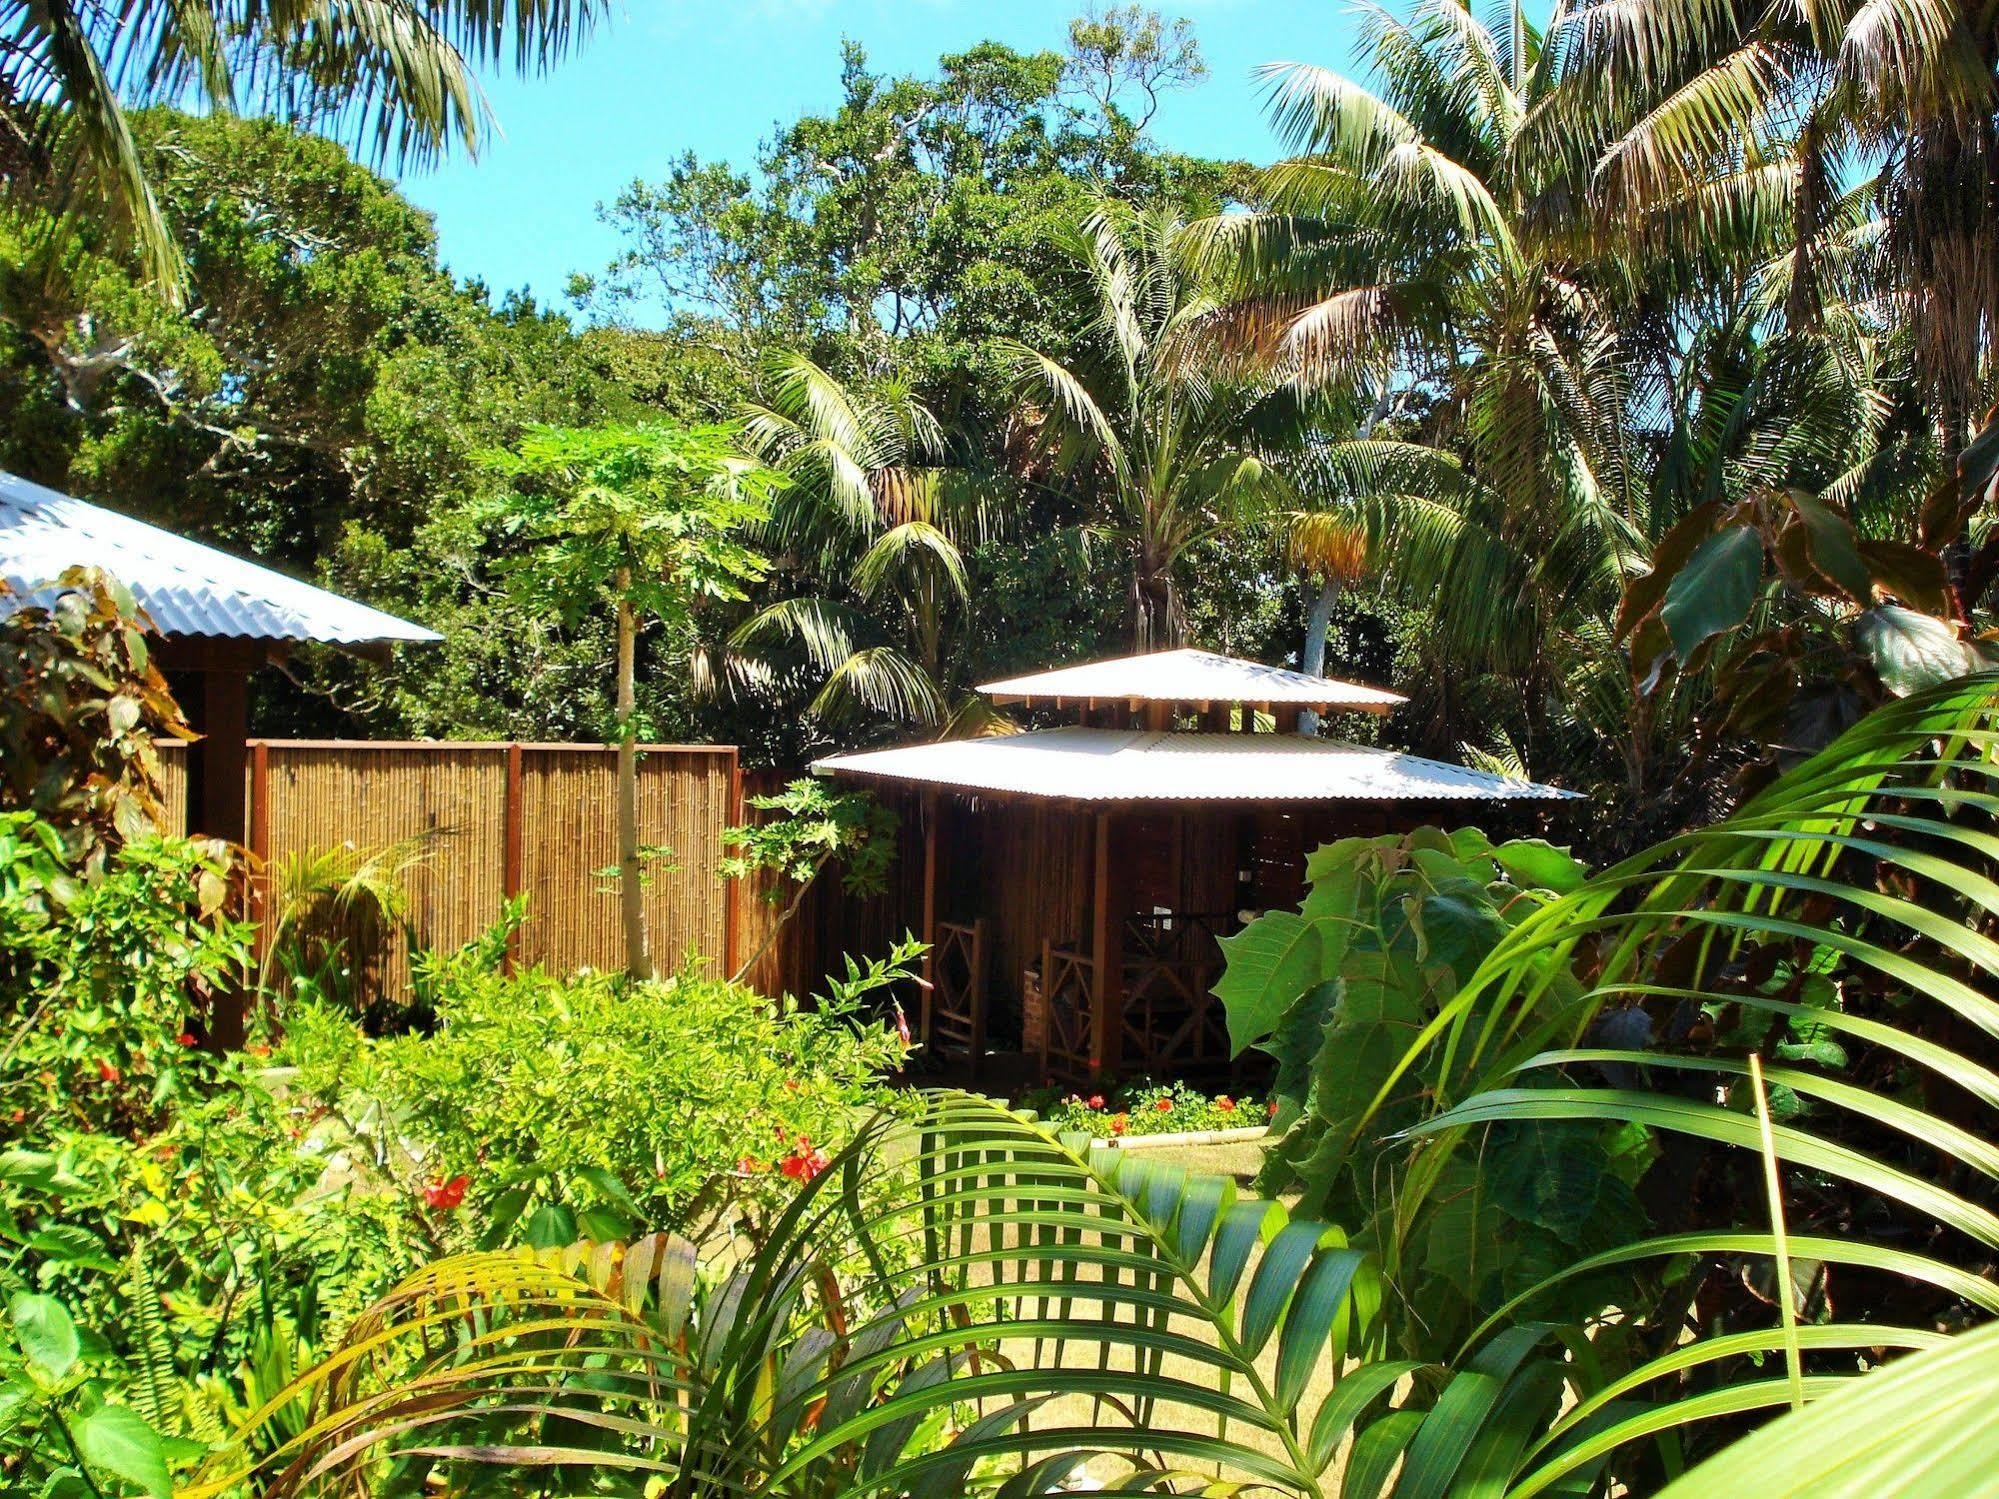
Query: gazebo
x=1077, y=878
x=219, y=618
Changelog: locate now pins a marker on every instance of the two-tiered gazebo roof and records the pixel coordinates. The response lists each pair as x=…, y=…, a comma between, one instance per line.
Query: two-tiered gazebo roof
x=1093, y=864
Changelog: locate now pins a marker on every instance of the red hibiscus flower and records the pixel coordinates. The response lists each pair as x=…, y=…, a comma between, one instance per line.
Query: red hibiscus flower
x=109, y=1073
x=187, y=1038
x=1096, y=1100
x=446, y=1195
x=1165, y=1105
x=804, y=1162
x=1117, y=1124
x=1273, y=1108
x=1225, y=1103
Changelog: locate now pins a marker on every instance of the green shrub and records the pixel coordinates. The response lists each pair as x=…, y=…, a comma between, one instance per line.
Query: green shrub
x=101, y=978
x=1340, y=992
x=542, y=1107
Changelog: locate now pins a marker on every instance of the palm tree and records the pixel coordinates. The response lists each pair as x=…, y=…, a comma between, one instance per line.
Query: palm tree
x=1442, y=236
x=1860, y=133
x=1411, y=241
x=1172, y=448
x=392, y=76
x=876, y=522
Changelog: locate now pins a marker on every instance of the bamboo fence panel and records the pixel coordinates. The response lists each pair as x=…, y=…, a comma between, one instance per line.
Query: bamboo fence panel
x=499, y=819
x=686, y=799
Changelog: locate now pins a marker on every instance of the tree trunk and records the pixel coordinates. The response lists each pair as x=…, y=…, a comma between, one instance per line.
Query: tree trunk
x=631, y=891
x=1313, y=662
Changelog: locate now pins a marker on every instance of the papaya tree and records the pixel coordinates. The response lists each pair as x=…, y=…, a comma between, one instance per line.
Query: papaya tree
x=643, y=520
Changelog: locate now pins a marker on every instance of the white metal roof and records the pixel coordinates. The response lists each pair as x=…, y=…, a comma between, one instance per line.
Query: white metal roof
x=1191, y=676
x=1123, y=765
x=187, y=588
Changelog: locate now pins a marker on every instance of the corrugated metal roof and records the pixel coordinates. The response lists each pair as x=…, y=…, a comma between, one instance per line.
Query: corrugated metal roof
x=1191, y=676
x=187, y=588
x=1124, y=765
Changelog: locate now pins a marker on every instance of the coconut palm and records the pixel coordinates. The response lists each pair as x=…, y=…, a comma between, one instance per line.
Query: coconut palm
x=874, y=511
x=1442, y=235
x=393, y=76
x=1410, y=241
x=1862, y=131
x=1168, y=448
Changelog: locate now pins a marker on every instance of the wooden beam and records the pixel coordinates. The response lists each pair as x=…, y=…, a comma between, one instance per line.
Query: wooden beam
x=215, y=696
x=260, y=843
x=930, y=813
x=1107, y=916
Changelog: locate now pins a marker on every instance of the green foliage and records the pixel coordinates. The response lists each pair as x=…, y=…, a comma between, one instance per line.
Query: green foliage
x=57, y=1431
x=1170, y=449
x=106, y=976
x=406, y=91
x=659, y=504
x=815, y=825
x=698, y=1091
x=926, y=1342
x=1342, y=993
x=1898, y=1434
x=80, y=705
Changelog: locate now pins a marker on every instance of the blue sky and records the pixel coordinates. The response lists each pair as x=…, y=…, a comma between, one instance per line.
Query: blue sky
x=670, y=76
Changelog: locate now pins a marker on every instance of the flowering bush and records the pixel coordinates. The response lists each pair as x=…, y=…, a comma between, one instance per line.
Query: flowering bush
x=100, y=975
x=543, y=1108
x=1153, y=1109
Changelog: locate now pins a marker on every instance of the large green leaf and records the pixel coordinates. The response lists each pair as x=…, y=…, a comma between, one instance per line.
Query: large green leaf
x=117, y=1440
x=45, y=1333
x=1714, y=591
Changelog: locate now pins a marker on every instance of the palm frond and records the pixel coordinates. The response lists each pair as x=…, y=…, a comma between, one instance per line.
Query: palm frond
x=907, y=547
x=960, y=1267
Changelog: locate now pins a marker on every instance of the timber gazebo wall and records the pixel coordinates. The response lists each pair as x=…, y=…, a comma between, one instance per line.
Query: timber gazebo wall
x=507, y=818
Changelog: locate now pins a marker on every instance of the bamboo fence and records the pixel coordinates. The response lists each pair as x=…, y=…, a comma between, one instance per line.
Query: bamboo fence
x=503, y=819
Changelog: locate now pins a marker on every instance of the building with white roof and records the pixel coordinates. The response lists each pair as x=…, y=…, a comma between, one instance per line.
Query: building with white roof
x=220, y=618
x=1075, y=878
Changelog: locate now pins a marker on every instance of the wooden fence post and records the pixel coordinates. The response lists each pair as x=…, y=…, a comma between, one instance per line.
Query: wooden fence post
x=732, y=890
x=510, y=876
x=260, y=844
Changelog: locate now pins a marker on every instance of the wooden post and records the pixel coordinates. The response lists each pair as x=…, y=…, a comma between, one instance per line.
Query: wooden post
x=1215, y=718
x=260, y=844
x=930, y=809
x=1287, y=718
x=510, y=866
x=217, y=703
x=1158, y=717
x=1106, y=957
x=732, y=896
